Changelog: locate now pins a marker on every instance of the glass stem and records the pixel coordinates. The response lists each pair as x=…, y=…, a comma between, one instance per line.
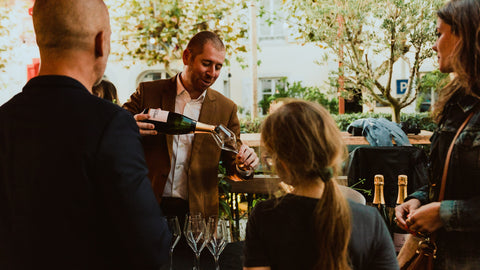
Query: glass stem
x=197, y=260
x=171, y=259
x=217, y=267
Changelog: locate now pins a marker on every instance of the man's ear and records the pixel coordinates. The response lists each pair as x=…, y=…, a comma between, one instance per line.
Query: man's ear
x=99, y=45
x=186, y=56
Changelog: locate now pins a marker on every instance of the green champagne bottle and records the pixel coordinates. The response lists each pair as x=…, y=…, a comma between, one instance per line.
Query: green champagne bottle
x=175, y=123
x=379, y=200
x=399, y=234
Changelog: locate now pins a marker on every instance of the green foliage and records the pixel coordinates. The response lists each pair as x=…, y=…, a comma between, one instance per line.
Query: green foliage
x=250, y=126
x=368, y=37
x=224, y=189
x=297, y=90
x=343, y=120
x=158, y=31
x=367, y=192
x=435, y=81
x=421, y=120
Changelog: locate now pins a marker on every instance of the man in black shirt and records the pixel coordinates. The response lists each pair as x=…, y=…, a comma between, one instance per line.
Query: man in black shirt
x=74, y=192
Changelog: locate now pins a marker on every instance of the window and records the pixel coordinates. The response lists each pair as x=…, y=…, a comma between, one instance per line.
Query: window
x=268, y=87
x=271, y=27
x=152, y=75
x=226, y=87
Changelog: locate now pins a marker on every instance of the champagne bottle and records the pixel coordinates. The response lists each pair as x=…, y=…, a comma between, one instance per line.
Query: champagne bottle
x=399, y=234
x=175, y=123
x=379, y=200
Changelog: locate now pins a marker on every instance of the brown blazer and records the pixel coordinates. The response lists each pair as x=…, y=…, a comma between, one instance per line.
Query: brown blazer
x=202, y=175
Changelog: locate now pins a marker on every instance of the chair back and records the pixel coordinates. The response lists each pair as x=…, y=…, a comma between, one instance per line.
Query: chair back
x=353, y=195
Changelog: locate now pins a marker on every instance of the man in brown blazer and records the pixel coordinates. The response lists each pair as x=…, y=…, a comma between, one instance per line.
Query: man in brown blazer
x=184, y=168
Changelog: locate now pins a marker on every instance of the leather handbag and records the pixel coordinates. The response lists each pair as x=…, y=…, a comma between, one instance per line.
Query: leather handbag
x=418, y=253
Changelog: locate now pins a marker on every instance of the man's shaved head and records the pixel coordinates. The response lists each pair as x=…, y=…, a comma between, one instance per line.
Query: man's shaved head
x=69, y=24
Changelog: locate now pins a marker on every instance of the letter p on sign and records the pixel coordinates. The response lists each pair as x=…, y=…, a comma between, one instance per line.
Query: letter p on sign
x=402, y=86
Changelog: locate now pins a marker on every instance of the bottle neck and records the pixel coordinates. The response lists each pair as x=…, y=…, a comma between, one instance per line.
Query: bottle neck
x=204, y=128
x=378, y=197
x=402, y=194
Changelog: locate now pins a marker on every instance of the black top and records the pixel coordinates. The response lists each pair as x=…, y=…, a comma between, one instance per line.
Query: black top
x=280, y=235
x=74, y=192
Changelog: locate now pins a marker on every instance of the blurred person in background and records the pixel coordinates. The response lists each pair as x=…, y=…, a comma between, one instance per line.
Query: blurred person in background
x=106, y=89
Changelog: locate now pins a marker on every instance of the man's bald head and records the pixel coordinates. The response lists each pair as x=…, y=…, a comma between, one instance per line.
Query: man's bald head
x=69, y=24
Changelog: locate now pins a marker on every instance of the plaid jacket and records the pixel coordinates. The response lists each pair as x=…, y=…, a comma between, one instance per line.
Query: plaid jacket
x=459, y=240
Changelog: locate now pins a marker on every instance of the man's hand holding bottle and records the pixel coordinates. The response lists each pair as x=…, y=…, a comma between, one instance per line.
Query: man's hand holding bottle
x=145, y=128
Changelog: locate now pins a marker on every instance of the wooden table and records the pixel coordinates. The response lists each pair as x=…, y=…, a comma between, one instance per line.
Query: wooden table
x=264, y=184
x=261, y=184
x=253, y=139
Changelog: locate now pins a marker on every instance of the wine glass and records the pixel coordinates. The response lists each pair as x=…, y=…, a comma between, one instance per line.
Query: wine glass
x=226, y=140
x=174, y=227
x=195, y=232
x=217, y=236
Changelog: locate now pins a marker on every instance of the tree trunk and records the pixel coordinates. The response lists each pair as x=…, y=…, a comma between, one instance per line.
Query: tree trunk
x=395, y=113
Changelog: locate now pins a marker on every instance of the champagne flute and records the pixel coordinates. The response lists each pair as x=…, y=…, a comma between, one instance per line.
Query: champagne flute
x=226, y=140
x=195, y=232
x=217, y=237
x=174, y=227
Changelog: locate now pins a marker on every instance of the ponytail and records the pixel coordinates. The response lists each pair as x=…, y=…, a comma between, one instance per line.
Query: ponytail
x=332, y=229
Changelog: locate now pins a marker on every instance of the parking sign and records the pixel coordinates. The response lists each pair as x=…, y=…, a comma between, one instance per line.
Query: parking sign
x=402, y=86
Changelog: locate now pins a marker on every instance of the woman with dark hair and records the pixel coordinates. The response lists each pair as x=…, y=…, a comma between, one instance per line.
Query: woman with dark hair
x=456, y=218
x=314, y=227
x=106, y=90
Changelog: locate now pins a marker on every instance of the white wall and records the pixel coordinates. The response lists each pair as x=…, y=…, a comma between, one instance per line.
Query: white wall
x=279, y=59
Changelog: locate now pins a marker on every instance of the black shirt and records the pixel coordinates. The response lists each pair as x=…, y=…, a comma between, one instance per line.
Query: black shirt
x=280, y=235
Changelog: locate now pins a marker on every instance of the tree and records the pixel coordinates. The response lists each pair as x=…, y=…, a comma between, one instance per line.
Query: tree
x=4, y=34
x=369, y=37
x=158, y=31
x=430, y=85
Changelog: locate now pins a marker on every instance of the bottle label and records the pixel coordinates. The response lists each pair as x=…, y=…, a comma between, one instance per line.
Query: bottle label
x=158, y=115
x=399, y=240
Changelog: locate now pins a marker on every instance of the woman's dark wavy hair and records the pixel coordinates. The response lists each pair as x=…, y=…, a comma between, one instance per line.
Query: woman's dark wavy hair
x=464, y=18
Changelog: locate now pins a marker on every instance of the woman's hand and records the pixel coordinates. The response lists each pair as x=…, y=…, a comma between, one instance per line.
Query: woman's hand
x=405, y=210
x=425, y=219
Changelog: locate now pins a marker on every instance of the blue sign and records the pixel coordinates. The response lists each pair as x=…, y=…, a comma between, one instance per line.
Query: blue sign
x=402, y=86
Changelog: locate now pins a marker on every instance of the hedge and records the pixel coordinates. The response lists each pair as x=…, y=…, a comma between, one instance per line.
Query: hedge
x=420, y=120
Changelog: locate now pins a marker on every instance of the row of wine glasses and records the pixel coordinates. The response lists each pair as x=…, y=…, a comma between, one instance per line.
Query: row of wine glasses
x=213, y=234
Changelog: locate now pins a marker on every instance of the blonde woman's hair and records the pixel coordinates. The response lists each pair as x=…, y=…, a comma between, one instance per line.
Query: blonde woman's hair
x=306, y=145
